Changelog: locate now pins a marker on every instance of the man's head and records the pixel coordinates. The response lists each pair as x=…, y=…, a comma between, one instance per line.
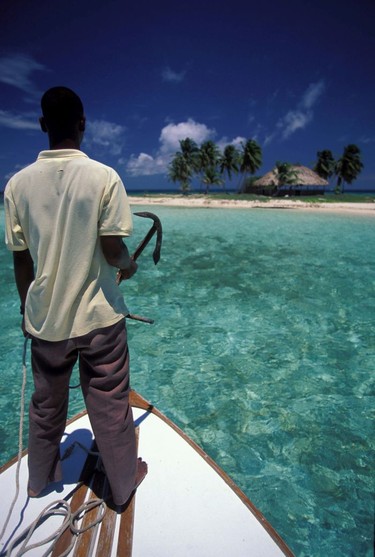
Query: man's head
x=63, y=116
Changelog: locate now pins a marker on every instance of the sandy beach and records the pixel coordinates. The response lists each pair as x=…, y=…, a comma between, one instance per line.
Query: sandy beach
x=208, y=202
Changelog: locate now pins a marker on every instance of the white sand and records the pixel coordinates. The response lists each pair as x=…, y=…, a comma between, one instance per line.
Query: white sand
x=207, y=202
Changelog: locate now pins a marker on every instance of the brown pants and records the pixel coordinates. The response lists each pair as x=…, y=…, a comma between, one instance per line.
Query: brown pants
x=104, y=373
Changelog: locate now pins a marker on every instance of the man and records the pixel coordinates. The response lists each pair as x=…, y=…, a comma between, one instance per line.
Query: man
x=66, y=216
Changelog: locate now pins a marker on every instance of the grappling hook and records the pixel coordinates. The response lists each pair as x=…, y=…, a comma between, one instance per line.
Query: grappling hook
x=156, y=227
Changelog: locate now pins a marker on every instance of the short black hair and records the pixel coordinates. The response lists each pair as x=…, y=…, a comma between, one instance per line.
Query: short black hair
x=62, y=110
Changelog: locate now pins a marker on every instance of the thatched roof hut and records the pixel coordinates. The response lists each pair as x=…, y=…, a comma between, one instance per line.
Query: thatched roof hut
x=304, y=177
x=305, y=182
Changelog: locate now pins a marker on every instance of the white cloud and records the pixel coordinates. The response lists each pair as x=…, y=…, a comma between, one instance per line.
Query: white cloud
x=170, y=136
x=146, y=165
x=367, y=139
x=269, y=138
x=105, y=134
x=237, y=142
x=175, y=77
x=25, y=121
x=312, y=94
x=301, y=116
x=16, y=70
x=294, y=120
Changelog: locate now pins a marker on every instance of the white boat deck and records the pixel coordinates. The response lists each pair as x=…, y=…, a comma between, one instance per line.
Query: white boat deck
x=182, y=508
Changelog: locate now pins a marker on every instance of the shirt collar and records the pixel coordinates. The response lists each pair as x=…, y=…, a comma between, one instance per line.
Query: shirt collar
x=61, y=153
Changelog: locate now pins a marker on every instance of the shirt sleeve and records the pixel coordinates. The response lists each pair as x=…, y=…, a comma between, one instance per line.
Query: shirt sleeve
x=14, y=237
x=115, y=218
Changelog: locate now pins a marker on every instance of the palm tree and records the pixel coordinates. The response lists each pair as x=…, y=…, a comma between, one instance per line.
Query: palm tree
x=211, y=177
x=325, y=165
x=286, y=174
x=184, y=164
x=251, y=159
x=208, y=160
x=179, y=170
x=229, y=161
x=208, y=155
x=190, y=151
x=348, y=167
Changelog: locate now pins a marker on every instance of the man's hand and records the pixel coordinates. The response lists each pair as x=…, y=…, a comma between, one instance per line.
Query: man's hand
x=117, y=255
x=124, y=274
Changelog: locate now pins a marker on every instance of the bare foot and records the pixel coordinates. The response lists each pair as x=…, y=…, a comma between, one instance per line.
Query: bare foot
x=142, y=469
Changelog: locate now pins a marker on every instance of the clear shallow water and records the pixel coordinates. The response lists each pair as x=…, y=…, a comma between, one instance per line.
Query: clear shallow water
x=263, y=350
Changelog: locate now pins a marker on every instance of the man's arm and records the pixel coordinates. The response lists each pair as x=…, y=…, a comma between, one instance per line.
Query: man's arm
x=117, y=255
x=23, y=273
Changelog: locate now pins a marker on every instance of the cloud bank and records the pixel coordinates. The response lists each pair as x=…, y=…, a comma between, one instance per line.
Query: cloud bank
x=169, y=140
x=16, y=70
x=104, y=135
x=27, y=121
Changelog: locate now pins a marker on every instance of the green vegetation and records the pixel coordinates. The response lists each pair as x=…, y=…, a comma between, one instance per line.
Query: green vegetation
x=210, y=166
x=325, y=166
x=184, y=164
x=208, y=161
x=180, y=171
x=286, y=174
x=251, y=157
x=230, y=161
x=347, y=168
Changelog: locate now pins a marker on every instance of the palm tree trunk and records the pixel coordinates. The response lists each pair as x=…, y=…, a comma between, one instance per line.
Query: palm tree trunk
x=338, y=188
x=240, y=181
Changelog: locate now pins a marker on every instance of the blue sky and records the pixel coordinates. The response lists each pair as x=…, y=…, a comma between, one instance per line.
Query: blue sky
x=297, y=76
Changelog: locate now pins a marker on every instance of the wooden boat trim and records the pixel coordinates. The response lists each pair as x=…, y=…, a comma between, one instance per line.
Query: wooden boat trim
x=137, y=401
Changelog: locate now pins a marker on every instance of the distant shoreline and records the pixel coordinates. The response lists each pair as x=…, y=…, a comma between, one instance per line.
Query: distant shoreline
x=202, y=201
x=193, y=200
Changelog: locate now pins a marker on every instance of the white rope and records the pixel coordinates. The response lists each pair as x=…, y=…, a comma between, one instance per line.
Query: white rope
x=62, y=508
x=20, y=436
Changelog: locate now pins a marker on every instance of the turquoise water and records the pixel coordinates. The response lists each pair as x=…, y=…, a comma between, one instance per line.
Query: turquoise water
x=263, y=350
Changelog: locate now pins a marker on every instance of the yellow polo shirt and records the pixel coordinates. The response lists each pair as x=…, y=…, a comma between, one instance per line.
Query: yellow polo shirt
x=58, y=207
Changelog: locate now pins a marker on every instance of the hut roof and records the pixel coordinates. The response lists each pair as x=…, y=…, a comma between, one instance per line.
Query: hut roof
x=305, y=177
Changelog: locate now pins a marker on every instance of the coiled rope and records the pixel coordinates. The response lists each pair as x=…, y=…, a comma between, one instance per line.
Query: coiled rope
x=59, y=507
x=62, y=508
